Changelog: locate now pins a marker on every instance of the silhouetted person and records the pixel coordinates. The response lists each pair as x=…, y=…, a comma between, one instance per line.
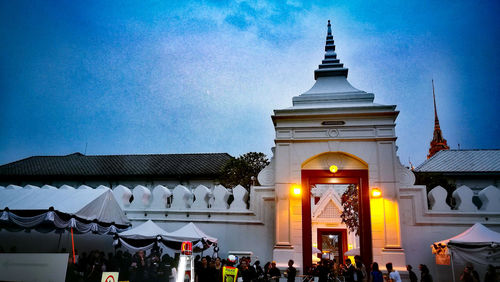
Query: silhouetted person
x=413, y=276
x=376, y=274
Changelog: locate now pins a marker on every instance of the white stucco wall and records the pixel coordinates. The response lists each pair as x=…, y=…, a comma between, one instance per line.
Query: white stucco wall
x=421, y=227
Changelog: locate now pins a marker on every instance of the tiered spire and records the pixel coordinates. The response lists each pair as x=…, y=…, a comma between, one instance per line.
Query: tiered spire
x=331, y=86
x=438, y=143
x=330, y=66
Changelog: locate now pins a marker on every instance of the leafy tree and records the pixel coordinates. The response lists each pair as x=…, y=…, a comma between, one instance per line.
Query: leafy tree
x=240, y=170
x=350, y=203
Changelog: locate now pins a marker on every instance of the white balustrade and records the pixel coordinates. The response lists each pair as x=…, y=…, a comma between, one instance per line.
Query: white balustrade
x=161, y=195
x=240, y=195
x=437, y=199
x=142, y=197
x=463, y=198
x=122, y=195
x=490, y=199
x=183, y=198
x=221, y=195
x=67, y=187
x=202, y=196
x=84, y=187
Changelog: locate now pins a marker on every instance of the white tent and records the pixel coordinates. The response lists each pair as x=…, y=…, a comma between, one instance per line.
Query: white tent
x=478, y=235
x=142, y=237
x=84, y=210
x=353, y=252
x=478, y=245
x=315, y=250
x=147, y=230
x=189, y=232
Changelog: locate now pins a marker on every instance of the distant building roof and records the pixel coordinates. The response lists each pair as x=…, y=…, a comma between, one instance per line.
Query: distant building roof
x=110, y=166
x=462, y=161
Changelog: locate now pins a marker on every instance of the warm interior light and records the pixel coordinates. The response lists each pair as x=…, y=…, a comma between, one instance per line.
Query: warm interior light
x=296, y=189
x=376, y=193
x=334, y=168
x=349, y=247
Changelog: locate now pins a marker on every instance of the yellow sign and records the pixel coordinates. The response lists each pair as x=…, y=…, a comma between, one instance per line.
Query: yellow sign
x=229, y=274
x=109, y=277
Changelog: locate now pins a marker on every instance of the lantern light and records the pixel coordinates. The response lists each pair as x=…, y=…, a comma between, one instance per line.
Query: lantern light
x=187, y=248
x=376, y=193
x=296, y=189
x=333, y=168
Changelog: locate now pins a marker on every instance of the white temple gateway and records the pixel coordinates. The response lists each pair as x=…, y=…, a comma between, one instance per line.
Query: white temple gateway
x=333, y=136
x=336, y=124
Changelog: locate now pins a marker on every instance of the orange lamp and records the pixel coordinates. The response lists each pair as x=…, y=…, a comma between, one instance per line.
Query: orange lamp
x=333, y=168
x=296, y=190
x=376, y=193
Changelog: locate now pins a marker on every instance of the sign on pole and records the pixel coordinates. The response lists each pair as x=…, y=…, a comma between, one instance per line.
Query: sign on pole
x=229, y=274
x=109, y=277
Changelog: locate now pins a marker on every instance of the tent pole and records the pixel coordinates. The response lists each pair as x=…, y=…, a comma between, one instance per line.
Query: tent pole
x=73, y=245
x=59, y=243
x=452, y=266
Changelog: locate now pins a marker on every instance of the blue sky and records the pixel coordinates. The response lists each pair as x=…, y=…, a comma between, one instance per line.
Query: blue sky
x=135, y=77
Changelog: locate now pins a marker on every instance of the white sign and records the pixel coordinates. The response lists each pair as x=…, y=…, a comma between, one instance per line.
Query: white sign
x=109, y=277
x=33, y=267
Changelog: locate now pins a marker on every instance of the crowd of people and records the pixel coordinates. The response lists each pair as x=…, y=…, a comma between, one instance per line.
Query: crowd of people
x=156, y=267
x=211, y=270
x=137, y=267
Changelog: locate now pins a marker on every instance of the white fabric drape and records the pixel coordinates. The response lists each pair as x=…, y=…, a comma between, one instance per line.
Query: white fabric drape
x=51, y=220
x=134, y=248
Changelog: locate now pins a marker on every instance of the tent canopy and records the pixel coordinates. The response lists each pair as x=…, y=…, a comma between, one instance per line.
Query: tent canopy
x=84, y=210
x=147, y=230
x=477, y=244
x=478, y=235
x=146, y=235
x=189, y=232
x=353, y=252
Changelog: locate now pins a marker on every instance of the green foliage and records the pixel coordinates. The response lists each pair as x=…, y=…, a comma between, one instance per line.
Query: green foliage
x=350, y=203
x=240, y=170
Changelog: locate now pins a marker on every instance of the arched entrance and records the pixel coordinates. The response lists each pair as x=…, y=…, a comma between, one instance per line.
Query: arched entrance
x=348, y=173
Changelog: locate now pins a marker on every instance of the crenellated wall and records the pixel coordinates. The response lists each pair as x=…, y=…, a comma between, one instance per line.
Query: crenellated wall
x=427, y=218
x=243, y=223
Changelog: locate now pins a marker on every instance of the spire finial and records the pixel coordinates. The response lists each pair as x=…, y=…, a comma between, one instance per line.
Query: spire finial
x=436, y=119
x=330, y=66
x=438, y=142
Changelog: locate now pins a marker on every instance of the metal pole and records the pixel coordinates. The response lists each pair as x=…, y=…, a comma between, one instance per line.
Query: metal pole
x=59, y=243
x=452, y=266
x=73, y=245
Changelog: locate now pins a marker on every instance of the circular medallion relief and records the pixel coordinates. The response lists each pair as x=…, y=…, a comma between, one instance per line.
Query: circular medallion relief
x=333, y=132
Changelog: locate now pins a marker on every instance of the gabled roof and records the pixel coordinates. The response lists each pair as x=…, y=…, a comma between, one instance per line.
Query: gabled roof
x=156, y=165
x=462, y=161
